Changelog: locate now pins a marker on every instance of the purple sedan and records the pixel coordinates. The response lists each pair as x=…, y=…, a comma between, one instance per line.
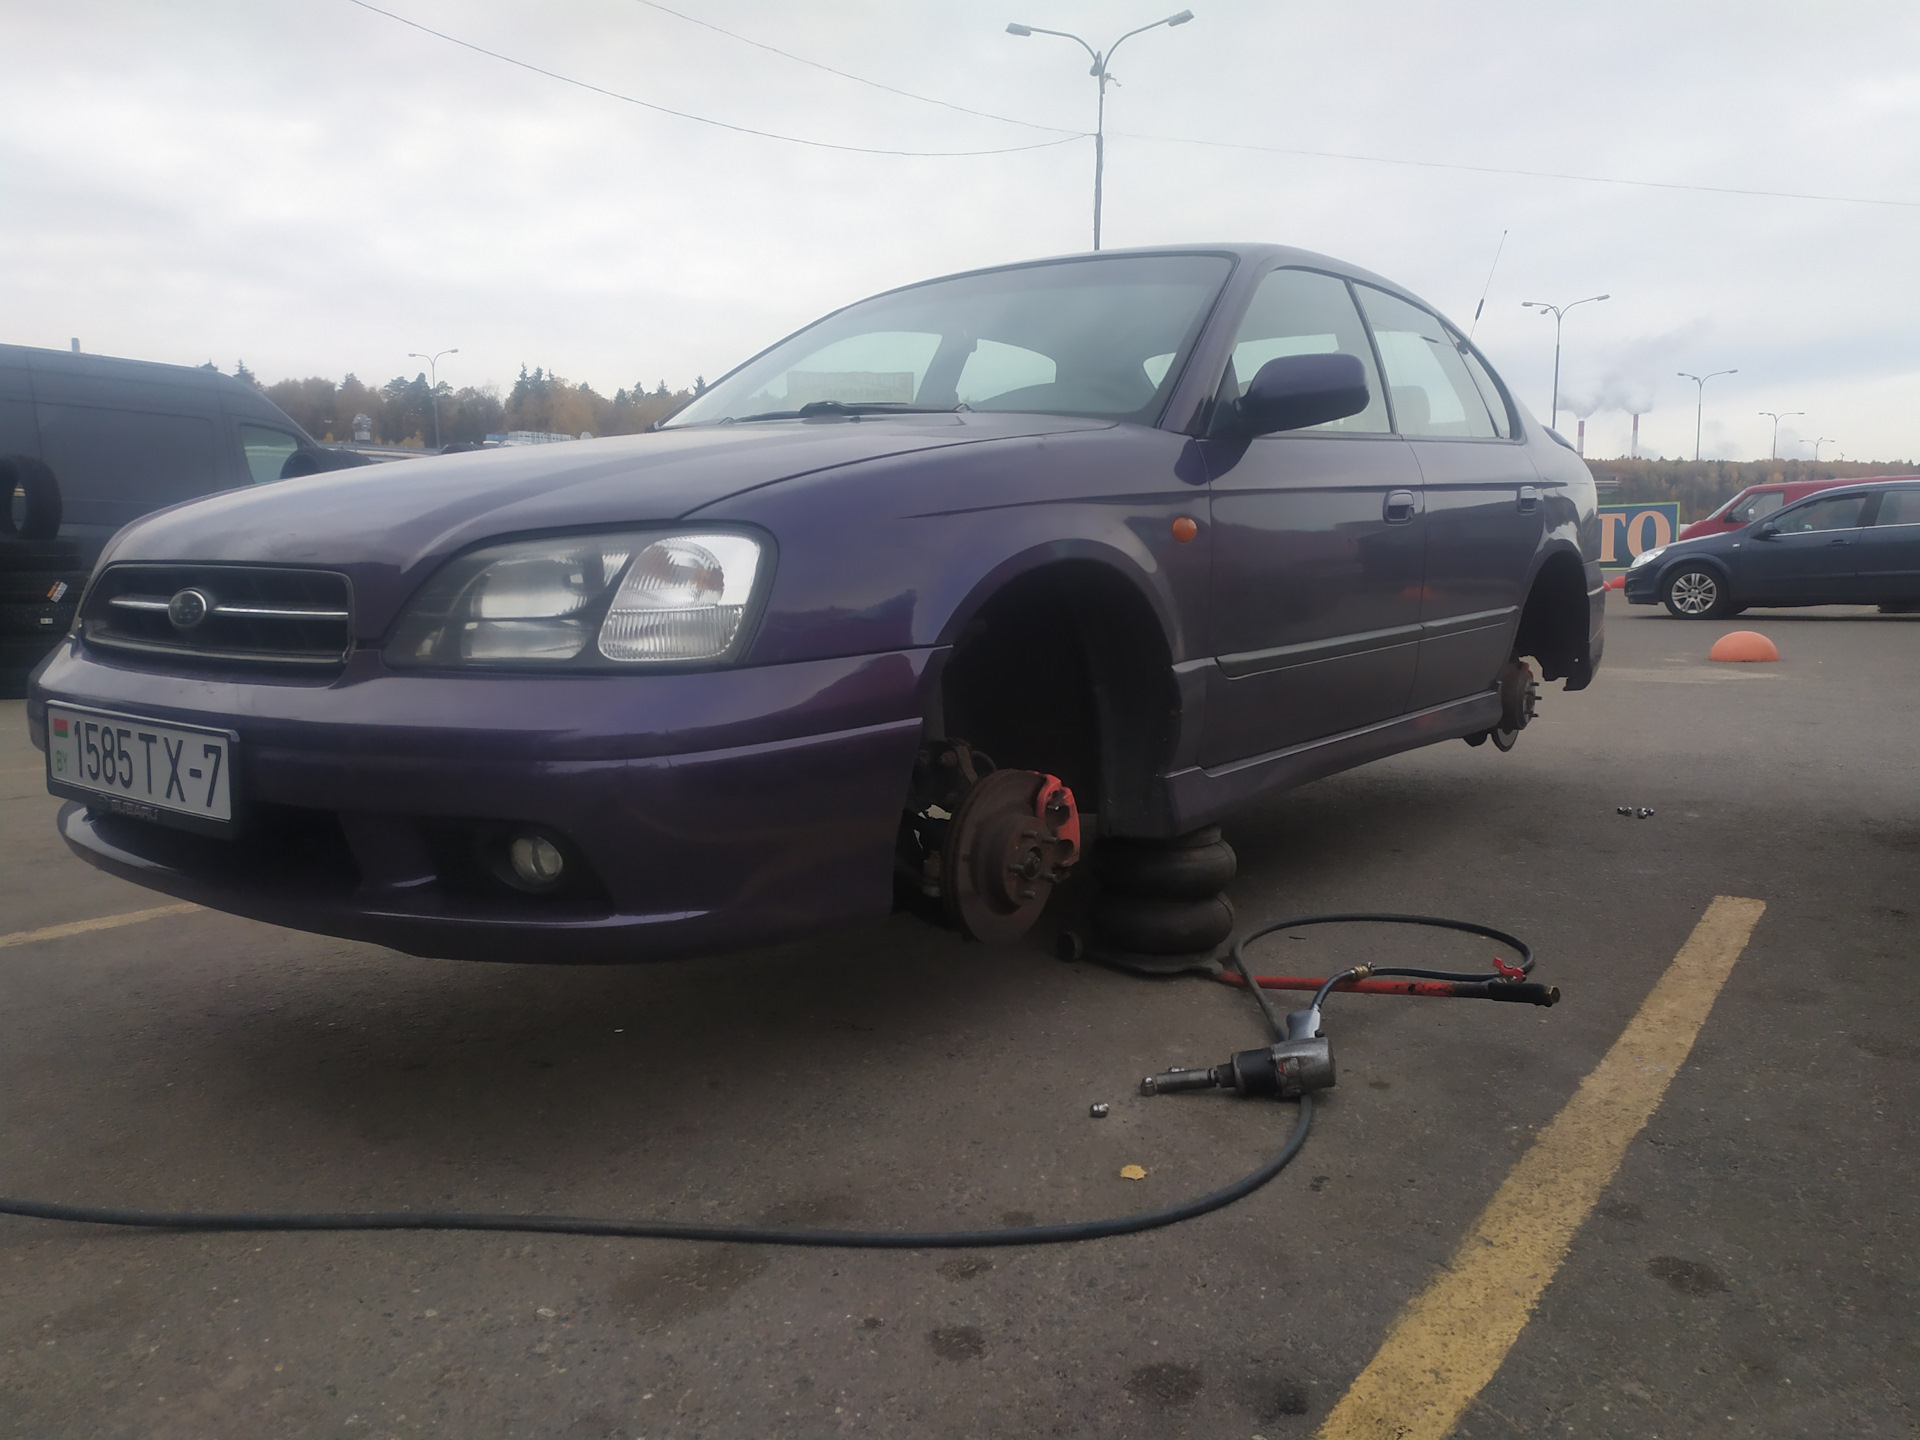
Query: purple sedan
x=1146, y=534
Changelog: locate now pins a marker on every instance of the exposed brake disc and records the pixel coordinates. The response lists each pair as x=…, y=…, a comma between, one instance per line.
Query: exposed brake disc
x=1015, y=836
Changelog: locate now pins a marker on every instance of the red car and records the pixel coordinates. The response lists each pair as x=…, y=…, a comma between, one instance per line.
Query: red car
x=1758, y=500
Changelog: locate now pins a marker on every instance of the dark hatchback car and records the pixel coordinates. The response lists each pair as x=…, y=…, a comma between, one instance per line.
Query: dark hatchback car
x=1160, y=531
x=1857, y=545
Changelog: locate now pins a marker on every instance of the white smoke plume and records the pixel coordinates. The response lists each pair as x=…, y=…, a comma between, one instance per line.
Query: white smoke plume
x=1633, y=376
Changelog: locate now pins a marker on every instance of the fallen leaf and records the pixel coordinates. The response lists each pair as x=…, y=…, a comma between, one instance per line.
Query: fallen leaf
x=1133, y=1172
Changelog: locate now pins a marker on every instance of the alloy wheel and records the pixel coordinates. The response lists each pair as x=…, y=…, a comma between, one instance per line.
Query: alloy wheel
x=1694, y=593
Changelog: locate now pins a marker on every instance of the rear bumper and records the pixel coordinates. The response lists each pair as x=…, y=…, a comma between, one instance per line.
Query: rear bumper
x=704, y=811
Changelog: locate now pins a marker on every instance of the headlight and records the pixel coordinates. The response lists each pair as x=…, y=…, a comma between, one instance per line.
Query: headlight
x=584, y=602
x=1647, y=556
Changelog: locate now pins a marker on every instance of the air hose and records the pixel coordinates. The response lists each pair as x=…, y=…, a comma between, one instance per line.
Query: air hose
x=1288, y=1036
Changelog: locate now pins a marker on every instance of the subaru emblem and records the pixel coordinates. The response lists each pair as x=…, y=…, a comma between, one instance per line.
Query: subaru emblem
x=188, y=608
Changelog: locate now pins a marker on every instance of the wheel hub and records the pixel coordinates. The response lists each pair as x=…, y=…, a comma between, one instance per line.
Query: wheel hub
x=1016, y=835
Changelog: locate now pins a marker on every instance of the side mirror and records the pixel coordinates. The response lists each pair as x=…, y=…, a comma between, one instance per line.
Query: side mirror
x=1295, y=391
x=1766, y=531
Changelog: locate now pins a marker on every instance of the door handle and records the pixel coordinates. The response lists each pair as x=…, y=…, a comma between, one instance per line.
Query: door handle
x=1840, y=541
x=1399, y=507
x=1528, y=500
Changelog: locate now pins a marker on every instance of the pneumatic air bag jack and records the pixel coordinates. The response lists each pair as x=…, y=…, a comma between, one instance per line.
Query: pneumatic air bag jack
x=1161, y=908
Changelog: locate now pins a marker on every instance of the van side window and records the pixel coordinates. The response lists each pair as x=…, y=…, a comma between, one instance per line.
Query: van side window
x=1754, y=506
x=267, y=450
x=124, y=458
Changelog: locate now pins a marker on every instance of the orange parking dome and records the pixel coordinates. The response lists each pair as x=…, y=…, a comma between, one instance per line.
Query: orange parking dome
x=1743, y=645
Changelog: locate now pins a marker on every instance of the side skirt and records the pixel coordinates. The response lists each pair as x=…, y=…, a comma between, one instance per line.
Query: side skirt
x=1199, y=796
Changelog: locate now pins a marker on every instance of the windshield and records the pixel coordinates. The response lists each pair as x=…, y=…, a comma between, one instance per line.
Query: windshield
x=1097, y=337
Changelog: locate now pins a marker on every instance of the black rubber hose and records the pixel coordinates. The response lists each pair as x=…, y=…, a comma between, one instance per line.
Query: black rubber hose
x=833, y=1239
x=678, y=1230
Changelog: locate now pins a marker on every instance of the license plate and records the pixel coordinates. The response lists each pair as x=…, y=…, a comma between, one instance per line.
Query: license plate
x=172, y=773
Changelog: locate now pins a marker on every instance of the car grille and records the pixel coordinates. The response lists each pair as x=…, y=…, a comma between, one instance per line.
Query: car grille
x=248, y=615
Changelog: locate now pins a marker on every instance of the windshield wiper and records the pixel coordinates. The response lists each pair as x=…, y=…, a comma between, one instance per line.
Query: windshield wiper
x=854, y=408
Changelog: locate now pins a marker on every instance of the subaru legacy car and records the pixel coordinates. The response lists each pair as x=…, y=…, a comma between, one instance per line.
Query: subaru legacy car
x=1149, y=535
x=1854, y=545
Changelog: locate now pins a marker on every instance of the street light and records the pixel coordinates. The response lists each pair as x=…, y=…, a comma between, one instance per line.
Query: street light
x=433, y=384
x=1558, y=311
x=1823, y=440
x=1777, y=416
x=1699, y=400
x=1102, y=74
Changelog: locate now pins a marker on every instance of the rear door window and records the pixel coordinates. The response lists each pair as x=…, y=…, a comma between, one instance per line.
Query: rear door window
x=1489, y=388
x=1899, y=507
x=1433, y=395
x=267, y=450
x=1302, y=312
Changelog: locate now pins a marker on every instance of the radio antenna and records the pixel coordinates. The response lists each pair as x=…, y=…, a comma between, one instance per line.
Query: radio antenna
x=1489, y=285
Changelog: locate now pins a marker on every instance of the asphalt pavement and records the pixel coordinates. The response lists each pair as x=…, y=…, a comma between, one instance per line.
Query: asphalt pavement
x=1751, y=1269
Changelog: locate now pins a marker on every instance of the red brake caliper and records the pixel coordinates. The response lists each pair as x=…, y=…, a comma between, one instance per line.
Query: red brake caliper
x=1055, y=808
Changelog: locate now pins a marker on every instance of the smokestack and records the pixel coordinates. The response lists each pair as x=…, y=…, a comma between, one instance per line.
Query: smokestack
x=76, y=344
x=1635, y=451
x=1580, y=441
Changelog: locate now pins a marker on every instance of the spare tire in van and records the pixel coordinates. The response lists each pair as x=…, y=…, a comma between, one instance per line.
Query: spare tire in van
x=32, y=496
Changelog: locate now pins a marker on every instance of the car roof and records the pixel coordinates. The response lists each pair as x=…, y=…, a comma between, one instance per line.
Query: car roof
x=1260, y=255
x=1871, y=487
x=1768, y=486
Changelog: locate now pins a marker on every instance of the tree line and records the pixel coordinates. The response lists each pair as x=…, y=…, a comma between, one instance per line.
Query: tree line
x=1703, y=486
x=400, y=412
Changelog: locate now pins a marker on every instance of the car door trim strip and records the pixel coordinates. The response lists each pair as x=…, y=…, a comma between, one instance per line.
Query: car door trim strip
x=1281, y=657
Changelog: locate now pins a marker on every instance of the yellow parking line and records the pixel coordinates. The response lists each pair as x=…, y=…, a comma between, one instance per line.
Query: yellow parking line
x=1451, y=1340
x=81, y=927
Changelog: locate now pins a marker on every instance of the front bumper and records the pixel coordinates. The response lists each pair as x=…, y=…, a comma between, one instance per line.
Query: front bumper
x=1642, y=587
x=710, y=810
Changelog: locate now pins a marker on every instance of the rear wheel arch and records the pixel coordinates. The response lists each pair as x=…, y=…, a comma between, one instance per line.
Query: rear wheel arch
x=1556, y=621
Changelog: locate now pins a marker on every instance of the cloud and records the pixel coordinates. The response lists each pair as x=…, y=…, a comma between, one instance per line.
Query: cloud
x=319, y=190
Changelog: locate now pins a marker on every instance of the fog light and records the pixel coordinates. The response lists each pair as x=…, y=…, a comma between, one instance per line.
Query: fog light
x=536, y=861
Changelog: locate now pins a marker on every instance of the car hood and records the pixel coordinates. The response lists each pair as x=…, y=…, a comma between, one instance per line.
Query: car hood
x=387, y=525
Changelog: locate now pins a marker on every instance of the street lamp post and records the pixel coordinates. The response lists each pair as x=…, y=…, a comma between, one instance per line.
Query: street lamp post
x=1823, y=440
x=433, y=384
x=1102, y=74
x=1777, y=416
x=1558, y=312
x=1699, y=400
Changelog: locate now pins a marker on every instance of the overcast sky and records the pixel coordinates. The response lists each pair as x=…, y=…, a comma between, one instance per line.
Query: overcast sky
x=314, y=188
